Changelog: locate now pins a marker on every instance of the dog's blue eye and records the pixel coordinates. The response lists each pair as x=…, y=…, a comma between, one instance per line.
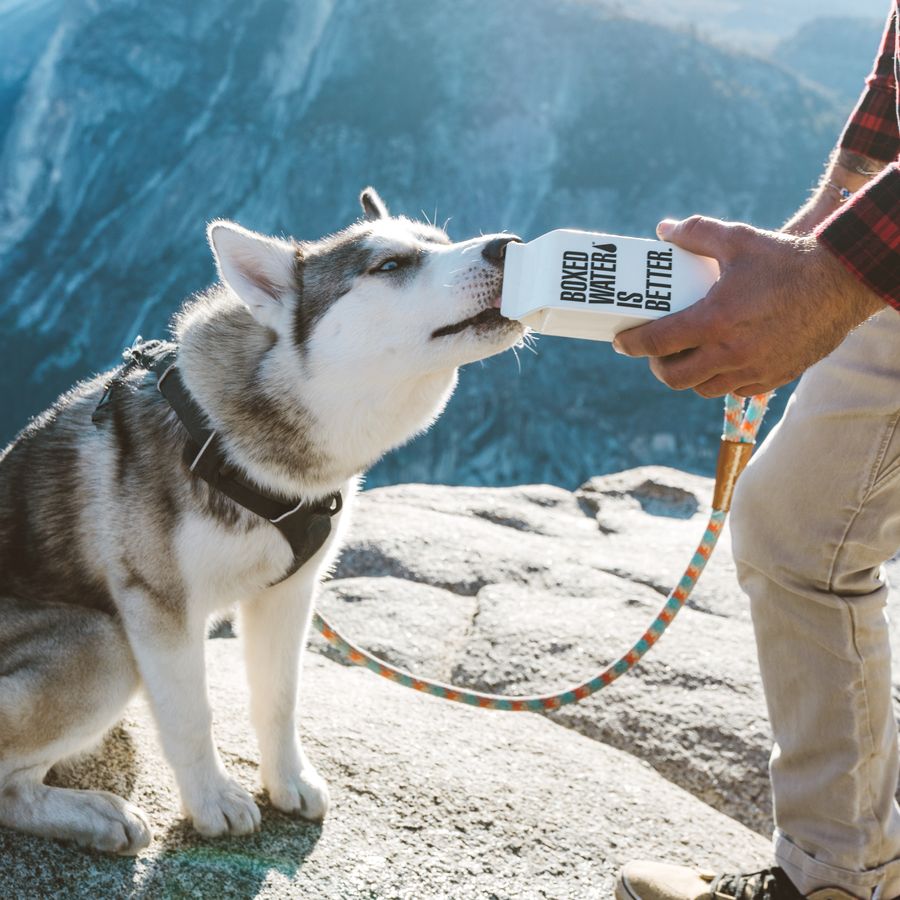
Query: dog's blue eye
x=389, y=266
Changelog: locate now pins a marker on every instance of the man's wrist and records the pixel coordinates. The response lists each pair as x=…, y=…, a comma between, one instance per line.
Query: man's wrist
x=814, y=213
x=846, y=172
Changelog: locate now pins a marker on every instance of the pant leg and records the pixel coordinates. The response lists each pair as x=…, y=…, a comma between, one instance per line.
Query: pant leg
x=815, y=515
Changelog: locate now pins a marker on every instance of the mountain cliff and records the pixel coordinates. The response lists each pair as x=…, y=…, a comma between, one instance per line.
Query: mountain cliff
x=128, y=126
x=835, y=52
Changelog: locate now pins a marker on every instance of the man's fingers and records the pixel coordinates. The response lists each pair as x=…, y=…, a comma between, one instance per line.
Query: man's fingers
x=740, y=383
x=694, y=369
x=753, y=390
x=686, y=329
x=718, y=386
x=699, y=234
x=668, y=335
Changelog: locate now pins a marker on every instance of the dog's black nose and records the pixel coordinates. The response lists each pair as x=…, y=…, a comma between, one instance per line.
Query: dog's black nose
x=494, y=250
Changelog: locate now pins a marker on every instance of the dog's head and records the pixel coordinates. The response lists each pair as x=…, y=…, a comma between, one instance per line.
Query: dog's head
x=387, y=291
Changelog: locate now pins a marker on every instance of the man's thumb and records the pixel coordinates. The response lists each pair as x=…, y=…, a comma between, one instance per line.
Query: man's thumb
x=708, y=237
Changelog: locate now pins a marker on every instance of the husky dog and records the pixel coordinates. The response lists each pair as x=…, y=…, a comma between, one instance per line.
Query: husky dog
x=310, y=360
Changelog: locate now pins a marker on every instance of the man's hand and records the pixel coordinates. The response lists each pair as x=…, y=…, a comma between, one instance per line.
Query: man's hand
x=781, y=303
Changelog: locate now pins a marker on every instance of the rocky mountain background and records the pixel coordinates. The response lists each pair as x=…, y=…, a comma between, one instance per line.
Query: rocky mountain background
x=125, y=126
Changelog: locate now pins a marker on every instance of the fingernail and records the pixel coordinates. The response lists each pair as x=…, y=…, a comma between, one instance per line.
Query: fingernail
x=618, y=347
x=664, y=229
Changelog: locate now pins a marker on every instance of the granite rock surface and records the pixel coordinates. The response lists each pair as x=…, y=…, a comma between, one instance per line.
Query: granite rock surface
x=429, y=800
x=509, y=590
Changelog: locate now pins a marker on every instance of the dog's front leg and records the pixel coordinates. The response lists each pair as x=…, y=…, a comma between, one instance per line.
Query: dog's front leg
x=170, y=657
x=274, y=629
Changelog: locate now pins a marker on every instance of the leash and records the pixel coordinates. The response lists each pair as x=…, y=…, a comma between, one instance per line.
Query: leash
x=742, y=422
x=306, y=526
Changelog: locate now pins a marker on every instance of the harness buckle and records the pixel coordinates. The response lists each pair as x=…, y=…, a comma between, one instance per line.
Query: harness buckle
x=335, y=505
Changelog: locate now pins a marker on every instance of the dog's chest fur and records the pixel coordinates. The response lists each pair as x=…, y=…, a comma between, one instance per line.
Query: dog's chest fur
x=222, y=565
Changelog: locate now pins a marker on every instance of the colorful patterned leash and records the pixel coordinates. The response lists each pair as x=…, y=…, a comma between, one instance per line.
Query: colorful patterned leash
x=741, y=426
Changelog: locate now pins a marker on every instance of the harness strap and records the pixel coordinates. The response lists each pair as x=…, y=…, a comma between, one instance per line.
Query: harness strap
x=304, y=526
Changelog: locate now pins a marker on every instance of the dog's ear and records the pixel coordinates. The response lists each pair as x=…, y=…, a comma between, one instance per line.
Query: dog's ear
x=373, y=206
x=258, y=269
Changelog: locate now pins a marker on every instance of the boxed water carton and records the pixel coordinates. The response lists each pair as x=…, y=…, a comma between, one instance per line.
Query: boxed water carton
x=589, y=285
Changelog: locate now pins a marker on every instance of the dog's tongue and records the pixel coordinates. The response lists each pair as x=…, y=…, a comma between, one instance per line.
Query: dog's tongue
x=497, y=300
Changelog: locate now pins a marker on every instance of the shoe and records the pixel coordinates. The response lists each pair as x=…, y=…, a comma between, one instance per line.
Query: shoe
x=662, y=881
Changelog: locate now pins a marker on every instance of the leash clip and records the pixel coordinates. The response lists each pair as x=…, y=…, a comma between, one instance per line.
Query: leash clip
x=733, y=459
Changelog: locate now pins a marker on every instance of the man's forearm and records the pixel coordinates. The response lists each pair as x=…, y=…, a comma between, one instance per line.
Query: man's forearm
x=845, y=169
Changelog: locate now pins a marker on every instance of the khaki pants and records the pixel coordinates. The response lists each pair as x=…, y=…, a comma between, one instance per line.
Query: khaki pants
x=815, y=515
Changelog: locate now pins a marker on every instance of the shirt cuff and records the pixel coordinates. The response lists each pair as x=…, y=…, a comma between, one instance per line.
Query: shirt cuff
x=864, y=234
x=871, y=129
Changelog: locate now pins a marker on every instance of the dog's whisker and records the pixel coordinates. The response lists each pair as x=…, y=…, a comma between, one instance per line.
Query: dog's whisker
x=515, y=351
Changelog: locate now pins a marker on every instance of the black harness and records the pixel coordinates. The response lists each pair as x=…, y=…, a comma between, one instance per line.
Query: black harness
x=304, y=526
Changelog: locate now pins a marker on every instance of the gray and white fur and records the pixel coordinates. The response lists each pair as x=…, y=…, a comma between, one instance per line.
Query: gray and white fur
x=310, y=360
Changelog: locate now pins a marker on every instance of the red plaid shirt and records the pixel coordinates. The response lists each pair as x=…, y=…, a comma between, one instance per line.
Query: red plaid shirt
x=864, y=233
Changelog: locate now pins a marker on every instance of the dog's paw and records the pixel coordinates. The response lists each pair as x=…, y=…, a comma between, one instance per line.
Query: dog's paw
x=302, y=794
x=110, y=825
x=225, y=808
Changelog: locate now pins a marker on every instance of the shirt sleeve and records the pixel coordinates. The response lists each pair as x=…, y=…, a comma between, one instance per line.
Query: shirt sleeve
x=864, y=234
x=872, y=129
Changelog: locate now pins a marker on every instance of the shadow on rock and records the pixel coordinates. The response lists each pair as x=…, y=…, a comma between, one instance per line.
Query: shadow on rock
x=230, y=867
